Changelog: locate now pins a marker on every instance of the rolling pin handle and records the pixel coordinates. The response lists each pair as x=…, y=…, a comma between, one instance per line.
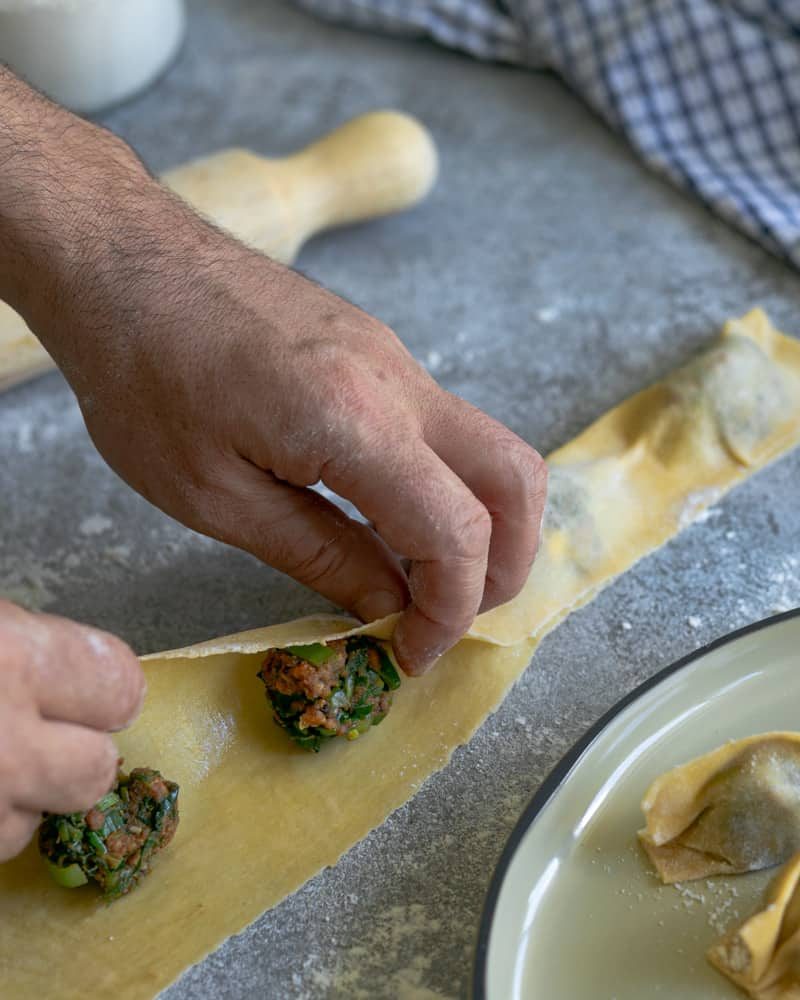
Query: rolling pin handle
x=375, y=164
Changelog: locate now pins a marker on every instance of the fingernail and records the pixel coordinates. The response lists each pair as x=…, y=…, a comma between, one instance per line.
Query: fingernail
x=428, y=660
x=421, y=663
x=378, y=604
x=418, y=663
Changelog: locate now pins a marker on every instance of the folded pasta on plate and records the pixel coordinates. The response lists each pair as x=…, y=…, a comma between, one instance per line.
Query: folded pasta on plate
x=736, y=809
x=762, y=956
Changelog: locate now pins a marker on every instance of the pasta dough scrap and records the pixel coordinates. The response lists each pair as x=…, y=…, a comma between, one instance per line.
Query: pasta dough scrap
x=762, y=956
x=260, y=816
x=734, y=810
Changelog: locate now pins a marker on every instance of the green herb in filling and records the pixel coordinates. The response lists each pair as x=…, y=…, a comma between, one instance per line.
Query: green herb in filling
x=318, y=691
x=114, y=842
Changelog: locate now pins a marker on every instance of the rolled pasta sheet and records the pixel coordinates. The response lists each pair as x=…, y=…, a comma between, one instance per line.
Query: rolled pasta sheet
x=734, y=810
x=651, y=465
x=762, y=956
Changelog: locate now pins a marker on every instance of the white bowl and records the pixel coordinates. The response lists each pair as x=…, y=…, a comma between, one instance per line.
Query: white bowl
x=88, y=54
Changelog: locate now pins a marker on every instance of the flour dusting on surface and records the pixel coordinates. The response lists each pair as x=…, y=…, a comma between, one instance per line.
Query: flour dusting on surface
x=95, y=524
x=46, y=419
x=696, y=507
x=120, y=554
x=547, y=314
x=398, y=933
x=784, y=584
x=433, y=362
x=24, y=441
x=31, y=586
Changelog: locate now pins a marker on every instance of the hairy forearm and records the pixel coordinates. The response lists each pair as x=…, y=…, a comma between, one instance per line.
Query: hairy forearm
x=89, y=240
x=73, y=199
x=53, y=171
x=24, y=119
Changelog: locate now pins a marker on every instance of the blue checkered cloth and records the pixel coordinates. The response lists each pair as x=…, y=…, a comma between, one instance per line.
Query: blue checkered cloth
x=707, y=91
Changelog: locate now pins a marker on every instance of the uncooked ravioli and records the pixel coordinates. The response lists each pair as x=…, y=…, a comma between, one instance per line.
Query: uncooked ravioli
x=762, y=955
x=734, y=810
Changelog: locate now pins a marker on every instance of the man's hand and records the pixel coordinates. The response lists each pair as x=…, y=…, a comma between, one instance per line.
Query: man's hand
x=62, y=688
x=222, y=385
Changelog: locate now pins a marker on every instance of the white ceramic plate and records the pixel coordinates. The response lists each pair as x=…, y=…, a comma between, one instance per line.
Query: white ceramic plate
x=574, y=911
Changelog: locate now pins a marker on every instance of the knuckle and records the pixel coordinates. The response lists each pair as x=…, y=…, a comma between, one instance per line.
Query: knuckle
x=352, y=374
x=355, y=396
x=327, y=349
x=344, y=322
x=540, y=477
x=503, y=585
x=525, y=470
x=362, y=439
x=324, y=563
x=357, y=402
x=16, y=658
x=444, y=623
x=13, y=748
x=457, y=625
x=471, y=530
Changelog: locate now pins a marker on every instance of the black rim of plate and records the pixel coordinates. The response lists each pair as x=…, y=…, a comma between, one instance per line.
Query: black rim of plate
x=556, y=777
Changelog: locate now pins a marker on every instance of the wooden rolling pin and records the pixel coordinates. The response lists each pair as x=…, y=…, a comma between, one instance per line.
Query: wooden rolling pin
x=376, y=164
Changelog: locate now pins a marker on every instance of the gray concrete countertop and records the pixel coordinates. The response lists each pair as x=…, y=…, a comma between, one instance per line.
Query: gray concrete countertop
x=549, y=276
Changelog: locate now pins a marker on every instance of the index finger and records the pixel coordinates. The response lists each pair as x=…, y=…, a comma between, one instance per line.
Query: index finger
x=82, y=675
x=424, y=512
x=510, y=479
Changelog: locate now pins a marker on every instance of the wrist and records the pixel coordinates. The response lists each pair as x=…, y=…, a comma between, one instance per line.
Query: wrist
x=61, y=179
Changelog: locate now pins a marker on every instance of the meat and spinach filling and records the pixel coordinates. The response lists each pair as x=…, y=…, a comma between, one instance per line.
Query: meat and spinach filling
x=115, y=841
x=338, y=689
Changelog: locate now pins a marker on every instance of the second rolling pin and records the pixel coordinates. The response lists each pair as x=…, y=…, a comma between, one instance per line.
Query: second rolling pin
x=375, y=164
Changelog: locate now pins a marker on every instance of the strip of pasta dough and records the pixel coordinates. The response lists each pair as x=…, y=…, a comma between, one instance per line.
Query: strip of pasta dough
x=259, y=816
